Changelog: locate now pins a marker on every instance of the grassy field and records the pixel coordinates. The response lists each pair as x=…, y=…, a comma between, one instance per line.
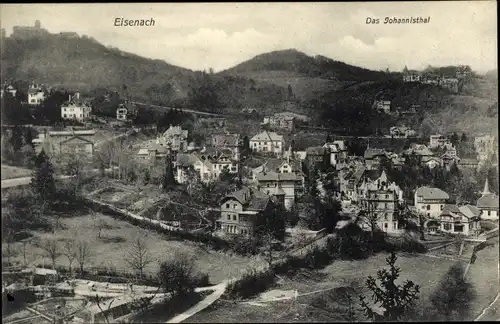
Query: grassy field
x=422, y=270
x=116, y=239
x=11, y=172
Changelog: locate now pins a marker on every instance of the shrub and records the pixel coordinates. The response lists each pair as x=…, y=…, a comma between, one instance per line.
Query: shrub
x=251, y=283
x=178, y=275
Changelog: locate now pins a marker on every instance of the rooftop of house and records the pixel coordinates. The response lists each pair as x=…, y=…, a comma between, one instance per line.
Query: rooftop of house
x=215, y=153
x=470, y=211
x=335, y=147
x=175, y=130
x=457, y=212
x=488, y=201
x=267, y=136
x=274, y=176
x=426, y=159
x=292, y=115
x=185, y=160
x=89, y=132
x=466, y=160
x=432, y=193
x=250, y=198
x=151, y=145
x=225, y=139
x=315, y=150
x=371, y=153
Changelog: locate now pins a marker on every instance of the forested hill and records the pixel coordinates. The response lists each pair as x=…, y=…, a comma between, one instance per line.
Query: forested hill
x=82, y=63
x=294, y=61
x=85, y=64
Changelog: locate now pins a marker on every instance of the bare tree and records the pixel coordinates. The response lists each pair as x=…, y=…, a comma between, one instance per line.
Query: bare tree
x=51, y=248
x=82, y=254
x=10, y=250
x=99, y=300
x=99, y=223
x=73, y=164
x=138, y=256
x=70, y=252
x=25, y=259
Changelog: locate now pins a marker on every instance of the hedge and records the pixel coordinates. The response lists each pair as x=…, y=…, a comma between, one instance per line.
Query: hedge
x=345, y=245
x=213, y=241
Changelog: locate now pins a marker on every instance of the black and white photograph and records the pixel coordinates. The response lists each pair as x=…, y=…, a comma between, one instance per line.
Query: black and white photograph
x=246, y=162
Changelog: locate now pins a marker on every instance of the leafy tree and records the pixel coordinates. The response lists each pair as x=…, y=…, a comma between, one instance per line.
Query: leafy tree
x=273, y=221
x=394, y=299
x=290, y=92
x=329, y=213
x=168, y=177
x=177, y=274
x=454, y=139
x=463, y=138
x=42, y=182
x=246, y=146
x=453, y=296
x=226, y=176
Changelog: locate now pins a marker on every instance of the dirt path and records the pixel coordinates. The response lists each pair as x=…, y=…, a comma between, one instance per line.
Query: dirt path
x=496, y=304
x=209, y=300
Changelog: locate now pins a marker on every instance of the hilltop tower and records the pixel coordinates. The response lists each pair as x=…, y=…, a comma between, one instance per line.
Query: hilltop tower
x=38, y=25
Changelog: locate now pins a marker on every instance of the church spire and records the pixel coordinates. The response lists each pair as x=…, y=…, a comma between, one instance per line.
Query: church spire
x=486, y=190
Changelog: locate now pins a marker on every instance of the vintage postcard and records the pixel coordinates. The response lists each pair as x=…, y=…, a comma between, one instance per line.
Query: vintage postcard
x=249, y=162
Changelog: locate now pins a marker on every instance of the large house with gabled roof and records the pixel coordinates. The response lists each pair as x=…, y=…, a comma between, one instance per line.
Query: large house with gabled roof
x=240, y=211
x=430, y=201
x=268, y=142
x=462, y=220
x=66, y=141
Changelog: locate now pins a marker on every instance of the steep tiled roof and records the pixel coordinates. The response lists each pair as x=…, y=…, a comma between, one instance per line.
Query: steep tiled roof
x=315, y=150
x=252, y=198
x=175, y=130
x=225, y=139
x=273, y=176
x=470, y=211
x=426, y=159
x=370, y=153
x=488, y=201
x=432, y=193
x=449, y=208
x=267, y=136
x=273, y=164
x=185, y=160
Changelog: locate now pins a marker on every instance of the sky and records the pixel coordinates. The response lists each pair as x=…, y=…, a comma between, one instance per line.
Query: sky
x=200, y=36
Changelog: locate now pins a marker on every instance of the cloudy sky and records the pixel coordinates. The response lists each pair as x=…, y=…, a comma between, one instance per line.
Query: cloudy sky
x=200, y=36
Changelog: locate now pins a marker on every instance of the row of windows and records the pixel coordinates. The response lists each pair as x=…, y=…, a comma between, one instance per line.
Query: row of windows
x=234, y=206
x=266, y=143
x=234, y=216
x=235, y=229
x=74, y=115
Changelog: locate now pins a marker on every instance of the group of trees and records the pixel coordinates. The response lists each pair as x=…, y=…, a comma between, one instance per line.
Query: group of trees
x=463, y=185
x=17, y=146
x=451, y=299
x=317, y=210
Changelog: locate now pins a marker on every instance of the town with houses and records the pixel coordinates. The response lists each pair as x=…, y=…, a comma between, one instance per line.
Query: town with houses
x=237, y=194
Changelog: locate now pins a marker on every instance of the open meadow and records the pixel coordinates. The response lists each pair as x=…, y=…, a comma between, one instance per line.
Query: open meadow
x=110, y=249
x=12, y=172
x=321, y=293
